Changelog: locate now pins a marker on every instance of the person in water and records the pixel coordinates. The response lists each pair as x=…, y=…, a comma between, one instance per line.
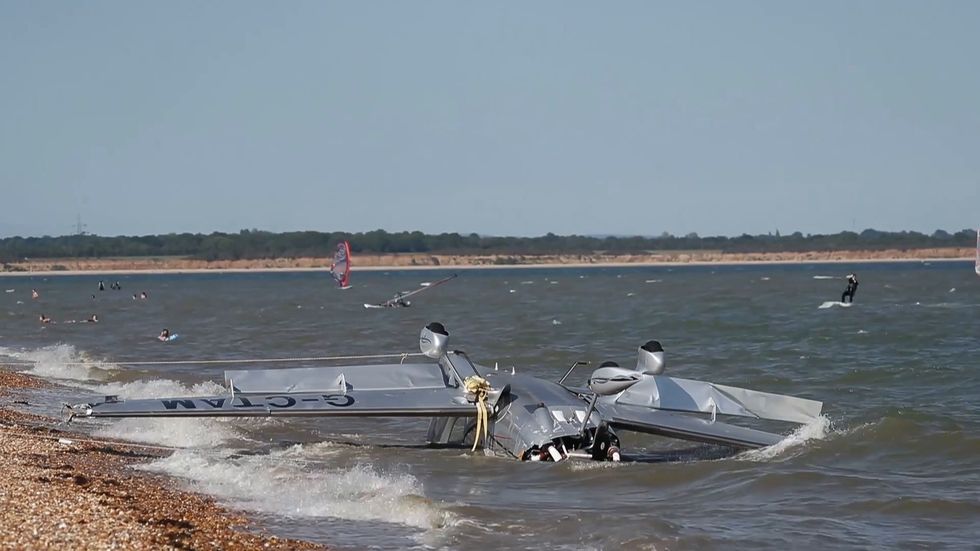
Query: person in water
x=44, y=319
x=143, y=295
x=852, y=287
x=101, y=285
x=34, y=293
x=164, y=335
x=92, y=319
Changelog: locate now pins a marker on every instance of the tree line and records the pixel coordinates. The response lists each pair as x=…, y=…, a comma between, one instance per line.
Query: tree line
x=257, y=244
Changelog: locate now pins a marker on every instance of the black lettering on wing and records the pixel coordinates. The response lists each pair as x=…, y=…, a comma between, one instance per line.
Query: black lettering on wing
x=216, y=403
x=172, y=404
x=338, y=400
x=289, y=401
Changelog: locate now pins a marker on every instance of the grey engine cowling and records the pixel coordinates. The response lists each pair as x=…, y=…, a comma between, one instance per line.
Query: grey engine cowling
x=650, y=358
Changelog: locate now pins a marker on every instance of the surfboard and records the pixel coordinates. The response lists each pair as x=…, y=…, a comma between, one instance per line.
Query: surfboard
x=832, y=303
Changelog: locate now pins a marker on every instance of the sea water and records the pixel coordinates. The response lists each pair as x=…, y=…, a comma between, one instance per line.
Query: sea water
x=894, y=462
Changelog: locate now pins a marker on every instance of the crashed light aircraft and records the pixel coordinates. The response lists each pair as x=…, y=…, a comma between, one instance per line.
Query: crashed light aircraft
x=504, y=413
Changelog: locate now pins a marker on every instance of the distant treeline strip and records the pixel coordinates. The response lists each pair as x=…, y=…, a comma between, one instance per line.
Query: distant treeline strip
x=256, y=244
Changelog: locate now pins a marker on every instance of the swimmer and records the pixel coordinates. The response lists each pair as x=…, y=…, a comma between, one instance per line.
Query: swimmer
x=44, y=319
x=92, y=319
x=143, y=295
x=164, y=335
x=34, y=293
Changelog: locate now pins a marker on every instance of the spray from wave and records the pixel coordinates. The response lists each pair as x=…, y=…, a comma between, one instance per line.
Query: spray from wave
x=300, y=482
x=818, y=429
x=62, y=361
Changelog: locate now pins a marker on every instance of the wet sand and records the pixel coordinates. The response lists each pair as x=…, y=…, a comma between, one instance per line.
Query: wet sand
x=61, y=490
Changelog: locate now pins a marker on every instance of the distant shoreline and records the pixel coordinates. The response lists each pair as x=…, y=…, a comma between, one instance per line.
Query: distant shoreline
x=398, y=262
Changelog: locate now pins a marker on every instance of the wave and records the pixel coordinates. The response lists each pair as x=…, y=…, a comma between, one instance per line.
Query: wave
x=818, y=429
x=62, y=361
x=299, y=482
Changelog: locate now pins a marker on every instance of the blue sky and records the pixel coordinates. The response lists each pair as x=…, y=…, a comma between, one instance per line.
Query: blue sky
x=510, y=118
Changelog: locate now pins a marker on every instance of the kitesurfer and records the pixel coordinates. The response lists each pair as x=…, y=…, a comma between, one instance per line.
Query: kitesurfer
x=852, y=286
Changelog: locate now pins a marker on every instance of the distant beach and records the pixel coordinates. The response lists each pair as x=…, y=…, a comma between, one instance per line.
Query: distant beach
x=418, y=261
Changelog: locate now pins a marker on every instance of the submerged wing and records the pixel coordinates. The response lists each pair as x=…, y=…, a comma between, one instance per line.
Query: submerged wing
x=658, y=404
x=685, y=427
x=686, y=395
x=391, y=390
x=340, y=269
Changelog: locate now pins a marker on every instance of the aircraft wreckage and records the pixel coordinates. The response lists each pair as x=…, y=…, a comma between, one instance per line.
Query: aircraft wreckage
x=504, y=413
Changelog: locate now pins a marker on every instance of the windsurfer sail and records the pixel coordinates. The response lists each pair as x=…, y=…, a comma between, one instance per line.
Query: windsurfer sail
x=398, y=301
x=976, y=267
x=340, y=269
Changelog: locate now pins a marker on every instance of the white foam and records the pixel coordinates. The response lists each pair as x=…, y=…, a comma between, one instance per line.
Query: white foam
x=182, y=433
x=156, y=388
x=300, y=482
x=62, y=361
x=179, y=433
x=824, y=277
x=818, y=429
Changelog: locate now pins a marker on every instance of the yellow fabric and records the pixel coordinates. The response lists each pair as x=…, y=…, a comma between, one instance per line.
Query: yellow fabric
x=479, y=387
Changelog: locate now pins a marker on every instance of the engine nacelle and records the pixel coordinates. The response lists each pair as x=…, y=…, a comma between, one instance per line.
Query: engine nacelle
x=434, y=340
x=612, y=379
x=650, y=358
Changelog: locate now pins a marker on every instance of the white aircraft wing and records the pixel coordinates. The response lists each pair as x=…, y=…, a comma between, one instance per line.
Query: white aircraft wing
x=685, y=427
x=390, y=390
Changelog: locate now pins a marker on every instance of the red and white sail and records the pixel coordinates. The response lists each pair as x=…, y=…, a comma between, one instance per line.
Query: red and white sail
x=340, y=269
